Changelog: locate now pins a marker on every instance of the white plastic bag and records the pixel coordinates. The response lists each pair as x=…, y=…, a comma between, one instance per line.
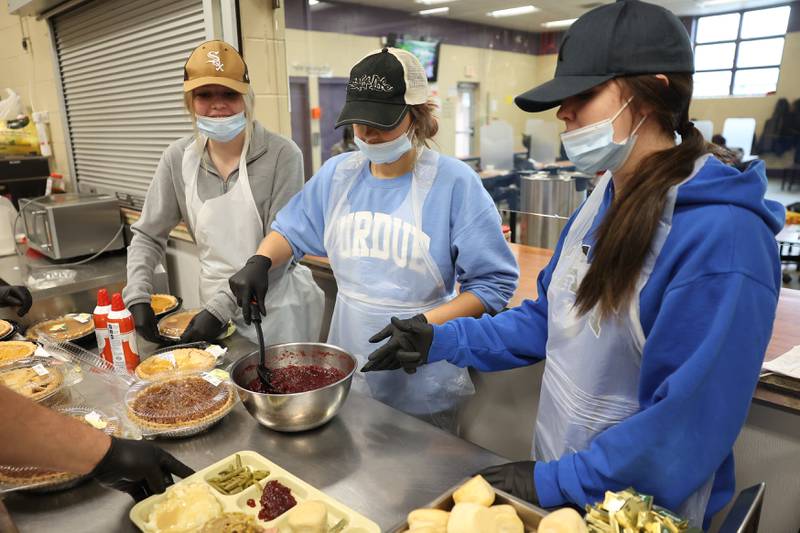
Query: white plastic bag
x=11, y=106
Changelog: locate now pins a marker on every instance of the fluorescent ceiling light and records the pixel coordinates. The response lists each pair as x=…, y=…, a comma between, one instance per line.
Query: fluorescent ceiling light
x=434, y=11
x=709, y=3
x=434, y=2
x=313, y=2
x=559, y=23
x=512, y=12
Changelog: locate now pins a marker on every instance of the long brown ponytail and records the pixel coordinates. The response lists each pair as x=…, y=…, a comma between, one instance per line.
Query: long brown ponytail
x=624, y=236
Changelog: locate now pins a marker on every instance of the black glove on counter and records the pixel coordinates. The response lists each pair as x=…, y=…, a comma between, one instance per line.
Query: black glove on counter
x=407, y=348
x=203, y=327
x=251, y=284
x=139, y=468
x=145, y=320
x=514, y=478
x=16, y=296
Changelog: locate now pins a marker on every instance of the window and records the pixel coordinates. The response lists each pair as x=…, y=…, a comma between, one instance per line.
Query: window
x=739, y=53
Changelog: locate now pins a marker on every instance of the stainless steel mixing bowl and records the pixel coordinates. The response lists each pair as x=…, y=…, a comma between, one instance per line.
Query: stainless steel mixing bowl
x=302, y=410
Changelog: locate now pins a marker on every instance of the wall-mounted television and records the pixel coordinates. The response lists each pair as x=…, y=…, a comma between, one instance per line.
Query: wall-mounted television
x=426, y=51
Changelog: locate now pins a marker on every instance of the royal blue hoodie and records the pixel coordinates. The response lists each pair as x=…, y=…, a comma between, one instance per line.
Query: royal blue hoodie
x=706, y=311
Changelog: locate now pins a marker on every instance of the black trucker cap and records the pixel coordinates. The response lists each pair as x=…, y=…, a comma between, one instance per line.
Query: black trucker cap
x=381, y=87
x=627, y=37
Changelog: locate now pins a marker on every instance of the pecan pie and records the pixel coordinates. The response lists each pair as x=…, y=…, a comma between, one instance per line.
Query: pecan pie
x=179, y=402
x=5, y=328
x=161, y=303
x=65, y=328
x=177, y=360
x=11, y=351
x=27, y=381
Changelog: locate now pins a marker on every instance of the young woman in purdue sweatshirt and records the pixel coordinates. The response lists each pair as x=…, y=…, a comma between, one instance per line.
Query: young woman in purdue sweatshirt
x=400, y=224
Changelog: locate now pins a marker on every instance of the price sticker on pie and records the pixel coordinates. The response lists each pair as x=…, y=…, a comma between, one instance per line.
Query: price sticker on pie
x=211, y=378
x=83, y=318
x=96, y=420
x=40, y=369
x=216, y=350
x=169, y=357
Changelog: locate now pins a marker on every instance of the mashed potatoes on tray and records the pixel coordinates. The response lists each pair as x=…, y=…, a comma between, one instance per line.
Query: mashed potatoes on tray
x=186, y=508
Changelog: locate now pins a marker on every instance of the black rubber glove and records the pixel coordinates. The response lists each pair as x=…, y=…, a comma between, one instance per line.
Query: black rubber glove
x=251, y=284
x=139, y=468
x=407, y=349
x=16, y=296
x=203, y=327
x=145, y=320
x=513, y=478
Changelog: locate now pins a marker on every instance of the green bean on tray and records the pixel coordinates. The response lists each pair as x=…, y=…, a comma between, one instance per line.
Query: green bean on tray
x=236, y=477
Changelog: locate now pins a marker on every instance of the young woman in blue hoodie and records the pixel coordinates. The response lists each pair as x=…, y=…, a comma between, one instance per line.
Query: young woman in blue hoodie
x=655, y=311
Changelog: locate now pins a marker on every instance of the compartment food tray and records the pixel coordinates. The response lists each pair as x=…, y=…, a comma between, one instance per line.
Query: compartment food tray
x=302, y=491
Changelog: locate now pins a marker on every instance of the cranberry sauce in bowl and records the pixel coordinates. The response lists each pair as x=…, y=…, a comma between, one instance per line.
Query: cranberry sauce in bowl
x=309, y=382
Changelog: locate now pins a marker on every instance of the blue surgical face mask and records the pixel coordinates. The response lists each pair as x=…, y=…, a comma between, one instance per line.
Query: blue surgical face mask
x=387, y=152
x=221, y=129
x=592, y=148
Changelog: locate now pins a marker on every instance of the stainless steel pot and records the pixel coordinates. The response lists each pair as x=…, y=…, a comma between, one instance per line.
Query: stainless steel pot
x=556, y=194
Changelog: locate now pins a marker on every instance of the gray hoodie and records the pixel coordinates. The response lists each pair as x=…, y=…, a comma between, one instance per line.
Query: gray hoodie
x=275, y=168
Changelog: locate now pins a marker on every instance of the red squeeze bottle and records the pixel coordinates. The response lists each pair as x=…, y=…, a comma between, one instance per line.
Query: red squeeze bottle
x=122, y=336
x=100, y=317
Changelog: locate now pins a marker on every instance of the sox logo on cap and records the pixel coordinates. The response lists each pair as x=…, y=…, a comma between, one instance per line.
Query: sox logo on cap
x=213, y=58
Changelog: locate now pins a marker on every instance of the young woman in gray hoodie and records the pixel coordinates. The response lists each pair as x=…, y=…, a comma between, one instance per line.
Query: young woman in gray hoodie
x=227, y=182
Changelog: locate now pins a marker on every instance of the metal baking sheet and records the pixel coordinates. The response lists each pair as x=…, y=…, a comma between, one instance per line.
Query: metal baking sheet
x=528, y=513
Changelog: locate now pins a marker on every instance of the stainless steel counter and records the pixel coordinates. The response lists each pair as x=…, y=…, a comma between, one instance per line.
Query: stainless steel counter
x=370, y=457
x=79, y=295
x=107, y=269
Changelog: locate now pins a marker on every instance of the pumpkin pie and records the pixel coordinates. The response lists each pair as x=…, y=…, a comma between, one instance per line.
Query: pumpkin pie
x=177, y=360
x=34, y=385
x=178, y=402
x=11, y=351
x=162, y=303
x=5, y=328
x=173, y=326
x=65, y=328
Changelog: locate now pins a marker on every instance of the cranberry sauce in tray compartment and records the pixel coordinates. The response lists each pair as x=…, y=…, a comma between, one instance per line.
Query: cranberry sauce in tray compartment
x=247, y=487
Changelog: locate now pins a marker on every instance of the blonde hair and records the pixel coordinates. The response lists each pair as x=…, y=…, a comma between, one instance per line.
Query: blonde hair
x=424, y=123
x=249, y=105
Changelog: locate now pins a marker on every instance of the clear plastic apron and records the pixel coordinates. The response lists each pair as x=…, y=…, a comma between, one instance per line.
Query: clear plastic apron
x=228, y=230
x=389, y=272
x=592, y=370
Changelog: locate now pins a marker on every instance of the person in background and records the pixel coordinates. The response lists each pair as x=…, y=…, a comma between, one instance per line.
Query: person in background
x=655, y=312
x=16, y=296
x=35, y=436
x=401, y=224
x=346, y=144
x=227, y=182
x=792, y=130
x=726, y=154
x=774, y=137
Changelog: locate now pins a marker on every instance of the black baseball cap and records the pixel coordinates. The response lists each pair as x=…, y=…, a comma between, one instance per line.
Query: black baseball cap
x=381, y=87
x=625, y=38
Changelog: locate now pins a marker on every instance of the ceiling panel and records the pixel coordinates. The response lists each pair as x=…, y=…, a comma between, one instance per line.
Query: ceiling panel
x=549, y=10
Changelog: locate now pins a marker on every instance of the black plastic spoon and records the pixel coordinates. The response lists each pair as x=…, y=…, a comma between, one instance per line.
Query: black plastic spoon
x=264, y=373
